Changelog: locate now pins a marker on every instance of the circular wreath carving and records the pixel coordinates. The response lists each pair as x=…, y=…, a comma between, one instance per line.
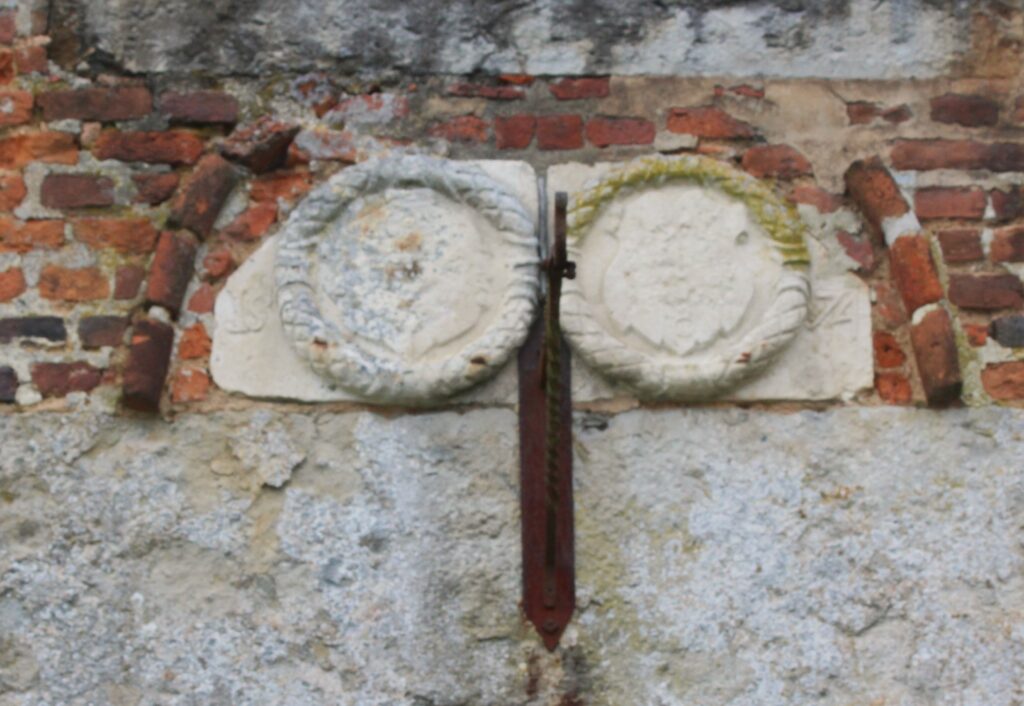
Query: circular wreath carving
x=695, y=370
x=313, y=272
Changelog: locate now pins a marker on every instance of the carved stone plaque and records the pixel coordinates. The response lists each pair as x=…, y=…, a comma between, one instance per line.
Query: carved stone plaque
x=402, y=280
x=693, y=276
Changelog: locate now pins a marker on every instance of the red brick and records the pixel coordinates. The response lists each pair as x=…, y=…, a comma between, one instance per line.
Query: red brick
x=958, y=154
x=64, y=191
x=815, y=196
x=18, y=236
x=986, y=292
x=199, y=107
x=937, y=362
x=218, y=263
x=966, y=110
x=283, y=185
x=148, y=362
x=1008, y=244
x=52, y=147
x=254, y=222
x=747, y=91
x=559, y=132
x=517, y=79
x=514, y=132
x=174, y=147
x=261, y=146
x=1008, y=204
x=102, y=331
x=875, y=192
x=171, y=271
x=8, y=26
x=7, y=70
x=127, y=281
x=12, y=191
x=58, y=379
x=12, y=284
x=888, y=353
x=888, y=305
x=899, y=114
x=860, y=250
x=202, y=300
x=949, y=202
x=464, y=128
x=1004, y=381
x=47, y=328
x=976, y=334
x=578, y=88
x=154, y=189
x=961, y=245
x=100, y=104
x=31, y=59
x=777, y=161
x=893, y=388
x=195, y=343
x=603, y=132
x=476, y=90
x=914, y=273
x=708, y=122
x=73, y=284
x=203, y=196
x=15, y=107
x=130, y=236
x=190, y=385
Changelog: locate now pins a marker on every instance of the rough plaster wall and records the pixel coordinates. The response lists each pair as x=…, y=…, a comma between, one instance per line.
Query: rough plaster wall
x=867, y=555
x=795, y=38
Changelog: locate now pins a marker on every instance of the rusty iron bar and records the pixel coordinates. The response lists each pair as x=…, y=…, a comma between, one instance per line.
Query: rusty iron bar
x=545, y=443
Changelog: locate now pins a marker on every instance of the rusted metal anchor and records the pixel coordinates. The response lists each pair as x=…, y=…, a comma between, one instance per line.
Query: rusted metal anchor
x=545, y=449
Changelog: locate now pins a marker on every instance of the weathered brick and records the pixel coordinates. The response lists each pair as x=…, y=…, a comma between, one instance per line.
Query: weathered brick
x=603, y=132
x=325, y=144
x=73, y=284
x=559, y=132
x=131, y=236
x=203, y=299
x=8, y=26
x=52, y=147
x=579, y=88
x=893, y=388
x=99, y=104
x=261, y=146
x=370, y=109
x=281, y=185
x=12, y=283
x=966, y=110
x=888, y=305
x=8, y=384
x=171, y=271
x=154, y=189
x=22, y=236
x=949, y=202
x=148, y=360
x=776, y=161
x=58, y=379
x=708, y=122
x=218, y=263
x=914, y=272
x=961, y=245
x=202, y=197
x=47, y=328
x=897, y=114
x=1008, y=204
x=127, y=281
x=1004, y=381
x=815, y=196
x=860, y=250
x=958, y=154
x=190, y=385
x=888, y=353
x=197, y=107
x=517, y=79
x=15, y=107
x=1008, y=244
x=976, y=334
x=861, y=112
x=64, y=191
x=12, y=191
x=99, y=331
x=1008, y=331
x=937, y=361
x=876, y=193
x=7, y=70
x=462, y=128
x=174, y=147
x=253, y=222
x=195, y=343
x=476, y=90
x=986, y=292
x=514, y=132
x=31, y=59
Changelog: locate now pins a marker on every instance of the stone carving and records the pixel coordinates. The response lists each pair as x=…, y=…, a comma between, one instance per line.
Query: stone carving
x=692, y=276
x=407, y=279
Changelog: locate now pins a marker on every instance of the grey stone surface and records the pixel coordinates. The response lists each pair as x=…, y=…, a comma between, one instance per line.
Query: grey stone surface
x=837, y=38
x=733, y=557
